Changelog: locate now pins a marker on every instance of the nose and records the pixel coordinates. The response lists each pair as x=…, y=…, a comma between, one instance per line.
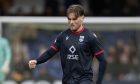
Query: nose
x=71, y=21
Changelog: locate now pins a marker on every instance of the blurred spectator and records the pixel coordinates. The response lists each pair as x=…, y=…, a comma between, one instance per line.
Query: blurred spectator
x=116, y=7
x=29, y=37
x=67, y=3
x=0, y=7
x=121, y=56
x=106, y=10
x=51, y=7
x=19, y=66
x=5, y=57
x=131, y=8
x=33, y=11
x=6, y=6
x=58, y=7
x=20, y=12
x=95, y=7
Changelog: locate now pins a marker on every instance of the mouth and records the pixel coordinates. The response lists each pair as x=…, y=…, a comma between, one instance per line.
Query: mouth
x=71, y=24
x=72, y=27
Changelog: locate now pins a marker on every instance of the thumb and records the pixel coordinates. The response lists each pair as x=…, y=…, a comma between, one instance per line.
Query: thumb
x=32, y=61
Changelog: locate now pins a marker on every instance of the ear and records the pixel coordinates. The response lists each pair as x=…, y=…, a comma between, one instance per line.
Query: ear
x=82, y=18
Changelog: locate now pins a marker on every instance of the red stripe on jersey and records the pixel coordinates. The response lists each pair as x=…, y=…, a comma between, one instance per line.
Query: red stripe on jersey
x=55, y=48
x=100, y=52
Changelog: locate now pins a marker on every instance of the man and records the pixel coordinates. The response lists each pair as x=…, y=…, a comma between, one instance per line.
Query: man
x=5, y=57
x=77, y=46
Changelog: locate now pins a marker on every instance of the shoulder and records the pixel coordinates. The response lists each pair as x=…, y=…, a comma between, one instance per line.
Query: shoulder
x=90, y=33
x=4, y=40
x=63, y=33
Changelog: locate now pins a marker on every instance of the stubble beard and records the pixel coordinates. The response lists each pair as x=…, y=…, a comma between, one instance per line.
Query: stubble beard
x=74, y=28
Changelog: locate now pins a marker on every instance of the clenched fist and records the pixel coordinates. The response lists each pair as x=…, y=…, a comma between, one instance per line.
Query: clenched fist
x=32, y=64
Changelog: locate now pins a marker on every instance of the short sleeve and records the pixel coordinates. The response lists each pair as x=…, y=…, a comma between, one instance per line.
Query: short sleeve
x=95, y=45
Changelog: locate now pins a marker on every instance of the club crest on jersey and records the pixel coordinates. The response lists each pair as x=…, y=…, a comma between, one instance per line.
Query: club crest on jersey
x=81, y=38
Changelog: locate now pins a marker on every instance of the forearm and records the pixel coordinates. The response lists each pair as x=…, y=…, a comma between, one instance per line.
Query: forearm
x=8, y=56
x=46, y=56
x=6, y=65
x=7, y=51
x=102, y=68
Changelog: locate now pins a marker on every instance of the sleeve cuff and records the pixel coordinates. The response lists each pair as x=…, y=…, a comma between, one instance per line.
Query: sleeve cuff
x=100, y=52
x=54, y=48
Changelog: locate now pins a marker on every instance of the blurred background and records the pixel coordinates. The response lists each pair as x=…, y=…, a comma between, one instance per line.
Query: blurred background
x=58, y=7
x=28, y=40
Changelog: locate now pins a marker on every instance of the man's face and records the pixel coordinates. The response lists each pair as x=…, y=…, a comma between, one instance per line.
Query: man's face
x=74, y=22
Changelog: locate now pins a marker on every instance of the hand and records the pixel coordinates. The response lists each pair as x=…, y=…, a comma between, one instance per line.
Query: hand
x=5, y=69
x=32, y=64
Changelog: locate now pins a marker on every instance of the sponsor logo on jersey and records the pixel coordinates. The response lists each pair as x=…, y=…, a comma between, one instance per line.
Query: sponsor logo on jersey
x=72, y=56
x=72, y=49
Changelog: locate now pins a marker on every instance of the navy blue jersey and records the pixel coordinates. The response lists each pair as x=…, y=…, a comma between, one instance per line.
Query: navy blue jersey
x=77, y=50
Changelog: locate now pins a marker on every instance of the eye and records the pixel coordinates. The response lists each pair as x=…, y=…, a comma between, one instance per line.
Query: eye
x=69, y=19
x=74, y=18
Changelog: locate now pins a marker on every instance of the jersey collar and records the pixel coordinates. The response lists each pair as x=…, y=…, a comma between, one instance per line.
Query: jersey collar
x=78, y=31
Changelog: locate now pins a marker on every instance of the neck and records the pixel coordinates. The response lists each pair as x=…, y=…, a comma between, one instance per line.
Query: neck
x=81, y=29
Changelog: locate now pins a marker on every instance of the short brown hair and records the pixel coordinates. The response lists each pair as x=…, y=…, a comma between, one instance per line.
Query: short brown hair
x=77, y=9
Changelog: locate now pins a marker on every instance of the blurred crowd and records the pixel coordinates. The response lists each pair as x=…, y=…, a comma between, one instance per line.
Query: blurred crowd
x=28, y=43
x=58, y=7
x=122, y=49
x=123, y=55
